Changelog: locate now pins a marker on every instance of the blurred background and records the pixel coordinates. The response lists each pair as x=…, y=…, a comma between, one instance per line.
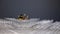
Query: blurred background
x=43, y=9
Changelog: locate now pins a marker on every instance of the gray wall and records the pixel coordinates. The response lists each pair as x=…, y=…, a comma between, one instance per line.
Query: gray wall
x=44, y=9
